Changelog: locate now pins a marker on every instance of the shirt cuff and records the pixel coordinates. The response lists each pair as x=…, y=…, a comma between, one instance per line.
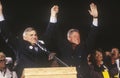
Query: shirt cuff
x=1, y=18
x=95, y=22
x=53, y=19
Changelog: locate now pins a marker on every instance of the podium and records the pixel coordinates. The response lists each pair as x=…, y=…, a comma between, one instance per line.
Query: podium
x=51, y=72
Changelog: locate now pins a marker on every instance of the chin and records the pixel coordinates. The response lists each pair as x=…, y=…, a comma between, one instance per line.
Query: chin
x=33, y=43
x=77, y=43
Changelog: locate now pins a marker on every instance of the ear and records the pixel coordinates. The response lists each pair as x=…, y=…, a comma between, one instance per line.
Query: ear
x=68, y=38
x=24, y=38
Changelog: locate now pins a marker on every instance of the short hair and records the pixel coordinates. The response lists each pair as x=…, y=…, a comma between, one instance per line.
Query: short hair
x=70, y=31
x=28, y=29
x=115, y=48
x=2, y=55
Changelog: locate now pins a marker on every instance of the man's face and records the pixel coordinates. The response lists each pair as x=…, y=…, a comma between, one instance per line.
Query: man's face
x=74, y=38
x=31, y=37
x=115, y=53
x=2, y=63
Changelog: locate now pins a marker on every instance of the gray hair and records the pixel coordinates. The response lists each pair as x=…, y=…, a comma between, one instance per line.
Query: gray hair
x=28, y=29
x=70, y=31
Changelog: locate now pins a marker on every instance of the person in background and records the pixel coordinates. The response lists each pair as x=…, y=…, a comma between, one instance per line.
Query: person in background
x=97, y=66
x=5, y=72
x=114, y=63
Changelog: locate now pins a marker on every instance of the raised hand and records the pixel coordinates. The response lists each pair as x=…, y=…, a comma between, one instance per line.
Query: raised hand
x=93, y=10
x=0, y=8
x=54, y=10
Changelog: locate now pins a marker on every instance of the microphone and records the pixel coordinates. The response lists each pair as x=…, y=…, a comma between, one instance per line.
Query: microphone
x=41, y=47
x=48, y=52
x=41, y=41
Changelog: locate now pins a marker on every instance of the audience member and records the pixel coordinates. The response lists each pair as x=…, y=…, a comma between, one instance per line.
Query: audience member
x=5, y=72
x=97, y=67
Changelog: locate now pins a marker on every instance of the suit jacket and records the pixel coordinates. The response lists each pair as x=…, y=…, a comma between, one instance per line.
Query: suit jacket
x=27, y=55
x=76, y=57
x=64, y=48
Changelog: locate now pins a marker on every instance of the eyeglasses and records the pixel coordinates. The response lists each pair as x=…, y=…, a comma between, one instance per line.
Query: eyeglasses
x=2, y=60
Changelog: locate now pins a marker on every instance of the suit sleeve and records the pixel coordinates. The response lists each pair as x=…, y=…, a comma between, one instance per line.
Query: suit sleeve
x=91, y=39
x=49, y=36
x=9, y=39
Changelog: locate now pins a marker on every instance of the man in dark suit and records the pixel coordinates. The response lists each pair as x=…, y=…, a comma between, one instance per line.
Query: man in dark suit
x=29, y=50
x=72, y=50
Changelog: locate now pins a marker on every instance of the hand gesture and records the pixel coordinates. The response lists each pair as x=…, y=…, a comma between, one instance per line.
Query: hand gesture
x=54, y=10
x=93, y=10
x=51, y=55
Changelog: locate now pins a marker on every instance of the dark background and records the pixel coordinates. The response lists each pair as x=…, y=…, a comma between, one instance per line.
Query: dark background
x=72, y=14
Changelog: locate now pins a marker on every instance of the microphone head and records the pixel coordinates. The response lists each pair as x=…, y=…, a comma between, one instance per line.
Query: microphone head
x=41, y=41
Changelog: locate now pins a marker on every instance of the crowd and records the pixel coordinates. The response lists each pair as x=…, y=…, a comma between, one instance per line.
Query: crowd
x=72, y=50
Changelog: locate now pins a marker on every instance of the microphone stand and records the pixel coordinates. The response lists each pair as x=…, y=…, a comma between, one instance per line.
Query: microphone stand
x=55, y=57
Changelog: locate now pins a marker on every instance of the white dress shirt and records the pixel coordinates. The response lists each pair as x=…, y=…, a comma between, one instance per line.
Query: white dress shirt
x=8, y=74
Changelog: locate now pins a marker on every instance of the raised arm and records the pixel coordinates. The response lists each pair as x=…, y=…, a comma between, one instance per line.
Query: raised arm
x=0, y=8
x=5, y=32
x=49, y=35
x=52, y=23
x=94, y=28
x=1, y=13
